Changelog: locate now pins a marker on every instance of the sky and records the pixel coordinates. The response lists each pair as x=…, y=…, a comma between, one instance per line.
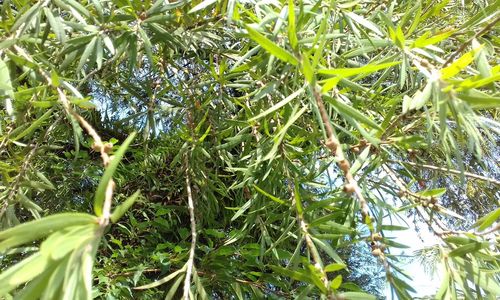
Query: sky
x=425, y=284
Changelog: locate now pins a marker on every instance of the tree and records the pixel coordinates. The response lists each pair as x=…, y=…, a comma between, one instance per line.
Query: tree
x=274, y=135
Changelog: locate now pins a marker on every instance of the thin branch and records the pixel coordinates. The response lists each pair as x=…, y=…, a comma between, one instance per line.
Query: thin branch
x=27, y=160
x=318, y=264
x=97, y=146
x=419, y=199
x=190, y=262
x=451, y=171
x=487, y=28
x=333, y=144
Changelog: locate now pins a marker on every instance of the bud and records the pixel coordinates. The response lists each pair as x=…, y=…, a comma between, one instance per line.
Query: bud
x=344, y=166
x=331, y=145
x=349, y=188
x=108, y=147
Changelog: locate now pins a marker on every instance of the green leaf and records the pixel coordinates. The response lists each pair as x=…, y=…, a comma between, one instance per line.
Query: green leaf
x=450, y=213
x=268, y=195
x=307, y=69
x=35, y=125
x=459, y=64
x=89, y=50
x=297, y=275
x=433, y=192
x=481, y=60
x=271, y=47
x=327, y=247
x=333, y=227
x=334, y=267
x=292, y=32
x=348, y=72
x=393, y=227
x=25, y=18
x=6, y=87
x=278, y=105
x=55, y=23
x=147, y=45
x=35, y=288
x=350, y=111
x=336, y=282
x=424, y=41
x=479, y=100
x=163, y=280
x=202, y=5
x=64, y=241
x=22, y=272
x=479, y=276
x=486, y=221
x=34, y=230
x=108, y=174
x=330, y=84
x=365, y=23
x=123, y=207
x=357, y=296
x=468, y=248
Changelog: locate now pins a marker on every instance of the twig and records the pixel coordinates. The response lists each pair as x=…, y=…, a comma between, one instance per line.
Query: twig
x=310, y=245
x=190, y=262
x=451, y=171
x=420, y=199
x=464, y=45
x=112, y=275
x=333, y=144
x=24, y=167
x=97, y=146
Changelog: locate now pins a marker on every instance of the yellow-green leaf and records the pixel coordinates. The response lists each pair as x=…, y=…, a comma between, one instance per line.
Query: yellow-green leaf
x=347, y=72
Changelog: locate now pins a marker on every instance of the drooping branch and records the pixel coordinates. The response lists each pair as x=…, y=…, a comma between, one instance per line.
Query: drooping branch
x=333, y=144
x=451, y=171
x=103, y=148
x=304, y=228
x=486, y=28
x=416, y=198
x=192, y=219
x=24, y=167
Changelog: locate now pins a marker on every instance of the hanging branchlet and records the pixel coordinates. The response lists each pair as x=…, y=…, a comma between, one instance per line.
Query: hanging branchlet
x=419, y=199
x=332, y=143
x=304, y=228
x=99, y=146
x=448, y=170
x=192, y=219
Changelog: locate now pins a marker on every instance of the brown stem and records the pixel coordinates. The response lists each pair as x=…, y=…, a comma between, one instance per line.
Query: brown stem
x=333, y=144
x=98, y=144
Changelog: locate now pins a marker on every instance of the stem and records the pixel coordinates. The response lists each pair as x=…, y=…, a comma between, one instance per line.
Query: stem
x=333, y=144
x=451, y=171
x=190, y=262
x=98, y=144
x=464, y=45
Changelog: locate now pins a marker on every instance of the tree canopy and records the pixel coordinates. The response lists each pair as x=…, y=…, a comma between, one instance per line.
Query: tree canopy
x=226, y=149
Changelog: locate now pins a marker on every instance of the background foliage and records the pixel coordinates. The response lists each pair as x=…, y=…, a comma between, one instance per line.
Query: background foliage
x=279, y=144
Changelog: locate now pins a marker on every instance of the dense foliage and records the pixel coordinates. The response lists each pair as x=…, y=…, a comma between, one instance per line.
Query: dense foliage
x=226, y=149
